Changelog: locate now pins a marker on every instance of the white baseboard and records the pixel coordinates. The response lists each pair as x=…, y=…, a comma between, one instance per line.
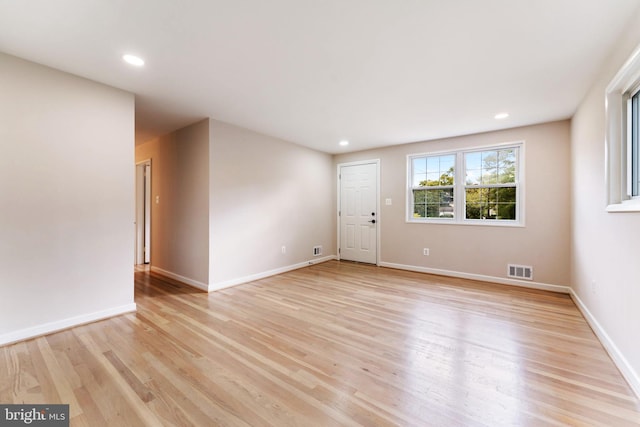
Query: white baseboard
x=240, y=280
x=483, y=278
x=616, y=355
x=59, y=325
x=186, y=280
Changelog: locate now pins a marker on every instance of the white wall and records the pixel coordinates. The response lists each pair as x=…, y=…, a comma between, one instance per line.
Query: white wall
x=180, y=202
x=476, y=250
x=66, y=200
x=266, y=193
x=606, y=246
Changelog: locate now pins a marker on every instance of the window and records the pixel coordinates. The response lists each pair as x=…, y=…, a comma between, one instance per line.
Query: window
x=622, y=138
x=475, y=186
x=634, y=163
x=432, y=188
x=491, y=188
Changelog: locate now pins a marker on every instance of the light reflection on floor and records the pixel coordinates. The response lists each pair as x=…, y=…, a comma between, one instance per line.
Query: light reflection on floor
x=457, y=358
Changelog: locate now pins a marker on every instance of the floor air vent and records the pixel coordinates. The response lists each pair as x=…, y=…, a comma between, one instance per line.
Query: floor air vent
x=520, y=271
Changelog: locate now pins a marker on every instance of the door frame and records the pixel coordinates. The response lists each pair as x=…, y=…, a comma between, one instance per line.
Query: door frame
x=339, y=166
x=143, y=216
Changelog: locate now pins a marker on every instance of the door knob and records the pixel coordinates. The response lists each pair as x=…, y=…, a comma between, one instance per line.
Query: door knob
x=373, y=221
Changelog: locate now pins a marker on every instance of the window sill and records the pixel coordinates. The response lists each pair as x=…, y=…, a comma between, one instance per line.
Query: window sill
x=482, y=223
x=632, y=205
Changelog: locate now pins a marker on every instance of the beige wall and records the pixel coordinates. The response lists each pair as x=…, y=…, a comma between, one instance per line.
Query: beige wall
x=266, y=193
x=66, y=198
x=180, y=219
x=606, y=246
x=484, y=250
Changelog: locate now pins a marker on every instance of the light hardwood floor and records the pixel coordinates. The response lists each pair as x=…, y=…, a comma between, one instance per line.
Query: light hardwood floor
x=334, y=344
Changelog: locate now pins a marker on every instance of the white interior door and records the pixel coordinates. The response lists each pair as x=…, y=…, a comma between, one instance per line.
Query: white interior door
x=358, y=212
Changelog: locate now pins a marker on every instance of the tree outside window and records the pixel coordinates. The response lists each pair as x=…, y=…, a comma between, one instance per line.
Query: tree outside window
x=433, y=186
x=469, y=186
x=490, y=187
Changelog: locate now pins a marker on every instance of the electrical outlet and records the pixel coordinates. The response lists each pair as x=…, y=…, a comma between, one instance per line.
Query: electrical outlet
x=425, y=252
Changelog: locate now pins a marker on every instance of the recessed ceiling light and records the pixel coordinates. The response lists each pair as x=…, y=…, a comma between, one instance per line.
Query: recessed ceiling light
x=344, y=143
x=501, y=116
x=133, y=60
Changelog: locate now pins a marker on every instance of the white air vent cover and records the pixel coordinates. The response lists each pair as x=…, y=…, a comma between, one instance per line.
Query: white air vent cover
x=317, y=250
x=520, y=271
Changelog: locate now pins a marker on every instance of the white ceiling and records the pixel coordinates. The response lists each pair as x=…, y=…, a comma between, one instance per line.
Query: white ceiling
x=314, y=72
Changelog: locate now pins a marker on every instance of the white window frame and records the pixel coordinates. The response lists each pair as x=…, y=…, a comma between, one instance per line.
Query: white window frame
x=633, y=168
x=410, y=159
x=618, y=144
x=459, y=187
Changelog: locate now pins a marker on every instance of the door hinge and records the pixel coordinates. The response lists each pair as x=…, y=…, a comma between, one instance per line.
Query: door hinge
x=339, y=213
x=338, y=250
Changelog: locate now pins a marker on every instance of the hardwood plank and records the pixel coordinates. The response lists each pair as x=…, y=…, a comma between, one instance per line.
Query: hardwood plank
x=336, y=343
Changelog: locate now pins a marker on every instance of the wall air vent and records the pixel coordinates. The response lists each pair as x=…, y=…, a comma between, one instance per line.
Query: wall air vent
x=520, y=271
x=317, y=250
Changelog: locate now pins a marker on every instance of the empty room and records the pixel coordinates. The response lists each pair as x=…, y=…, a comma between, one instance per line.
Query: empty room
x=320, y=213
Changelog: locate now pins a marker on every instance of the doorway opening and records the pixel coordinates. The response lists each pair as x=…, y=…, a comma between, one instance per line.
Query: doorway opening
x=143, y=213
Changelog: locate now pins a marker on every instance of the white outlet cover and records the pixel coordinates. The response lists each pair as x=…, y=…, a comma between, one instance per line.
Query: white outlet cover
x=387, y=202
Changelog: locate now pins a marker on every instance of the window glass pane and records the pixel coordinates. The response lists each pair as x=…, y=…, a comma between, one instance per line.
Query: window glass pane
x=419, y=170
x=473, y=160
x=491, y=203
x=419, y=165
x=489, y=167
x=419, y=203
x=505, y=203
x=473, y=168
x=433, y=164
x=446, y=208
x=436, y=203
x=475, y=198
x=433, y=171
x=447, y=170
x=473, y=176
x=433, y=178
x=447, y=164
x=507, y=166
x=635, y=146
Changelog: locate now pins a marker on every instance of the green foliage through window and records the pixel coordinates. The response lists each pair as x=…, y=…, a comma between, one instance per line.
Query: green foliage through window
x=487, y=184
x=436, y=174
x=490, y=191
